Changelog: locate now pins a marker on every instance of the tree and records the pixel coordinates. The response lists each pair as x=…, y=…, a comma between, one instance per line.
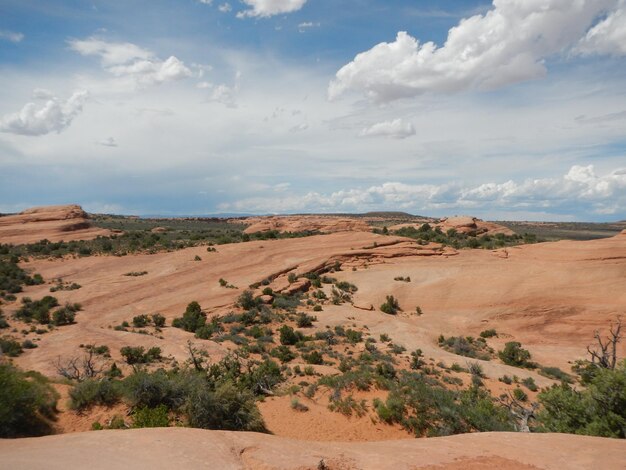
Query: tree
x=604, y=355
x=514, y=355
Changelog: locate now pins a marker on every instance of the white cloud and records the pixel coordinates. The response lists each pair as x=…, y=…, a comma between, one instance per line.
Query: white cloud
x=267, y=8
x=302, y=27
x=54, y=116
x=108, y=142
x=508, y=44
x=42, y=94
x=206, y=2
x=398, y=129
x=11, y=36
x=225, y=7
x=128, y=60
x=581, y=187
x=608, y=36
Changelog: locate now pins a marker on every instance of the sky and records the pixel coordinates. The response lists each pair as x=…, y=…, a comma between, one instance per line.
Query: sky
x=503, y=109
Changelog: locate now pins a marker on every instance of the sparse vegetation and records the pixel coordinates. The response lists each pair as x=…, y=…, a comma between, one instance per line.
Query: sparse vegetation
x=390, y=306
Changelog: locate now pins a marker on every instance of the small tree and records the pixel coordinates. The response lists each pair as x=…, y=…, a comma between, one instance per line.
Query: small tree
x=514, y=355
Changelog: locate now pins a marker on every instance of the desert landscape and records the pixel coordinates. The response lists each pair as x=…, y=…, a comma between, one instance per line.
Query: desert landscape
x=340, y=313
x=313, y=235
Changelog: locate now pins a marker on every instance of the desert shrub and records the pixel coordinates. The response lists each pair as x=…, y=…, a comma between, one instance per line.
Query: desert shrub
x=226, y=408
x=520, y=395
x=192, y=319
x=514, y=355
x=390, y=306
x=92, y=392
x=346, y=286
x=530, y=384
x=138, y=355
x=283, y=354
x=12, y=277
x=555, y=373
x=488, y=333
x=28, y=344
x=27, y=403
x=598, y=410
x=506, y=379
x=305, y=321
x=288, y=336
x=65, y=315
x=286, y=302
x=468, y=346
x=417, y=359
x=10, y=347
x=296, y=405
x=158, y=320
x=37, y=310
x=353, y=336
x=475, y=369
x=144, y=389
x=141, y=321
x=145, y=417
x=314, y=357
x=247, y=301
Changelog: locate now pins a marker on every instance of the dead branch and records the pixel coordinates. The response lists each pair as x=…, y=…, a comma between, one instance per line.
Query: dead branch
x=604, y=354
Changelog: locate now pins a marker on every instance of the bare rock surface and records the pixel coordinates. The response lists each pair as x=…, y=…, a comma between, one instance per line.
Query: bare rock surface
x=200, y=449
x=53, y=223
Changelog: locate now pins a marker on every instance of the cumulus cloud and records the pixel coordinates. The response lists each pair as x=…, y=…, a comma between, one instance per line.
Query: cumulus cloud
x=128, y=60
x=225, y=7
x=398, y=129
x=608, y=36
x=55, y=116
x=508, y=44
x=580, y=187
x=11, y=36
x=267, y=8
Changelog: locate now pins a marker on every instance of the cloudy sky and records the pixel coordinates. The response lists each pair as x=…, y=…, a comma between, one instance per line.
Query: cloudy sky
x=511, y=109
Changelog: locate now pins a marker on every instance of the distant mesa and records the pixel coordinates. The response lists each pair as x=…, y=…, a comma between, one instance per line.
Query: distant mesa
x=53, y=223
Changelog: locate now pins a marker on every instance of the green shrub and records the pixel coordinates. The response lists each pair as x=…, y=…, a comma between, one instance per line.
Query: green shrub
x=514, y=355
x=314, y=357
x=141, y=321
x=38, y=310
x=92, y=392
x=390, y=306
x=247, y=301
x=488, y=333
x=225, y=408
x=283, y=354
x=65, y=315
x=530, y=384
x=555, y=373
x=305, y=321
x=158, y=320
x=145, y=417
x=10, y=346
x=520, y=395
x=192, y=319
x=138, y=355
x=288, y=336
x=27, y=403
x=598, y=410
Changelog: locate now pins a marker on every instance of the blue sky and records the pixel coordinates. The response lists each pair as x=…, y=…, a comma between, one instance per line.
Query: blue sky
x=509, y=109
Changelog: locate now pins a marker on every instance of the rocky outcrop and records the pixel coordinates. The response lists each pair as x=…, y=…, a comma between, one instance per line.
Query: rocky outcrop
x=53, y=223
x=322, y=224
x=472, y=226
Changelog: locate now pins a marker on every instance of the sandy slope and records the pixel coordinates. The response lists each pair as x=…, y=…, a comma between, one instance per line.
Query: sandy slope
x=192, y=448
x=549, y=296
x=54, y=223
